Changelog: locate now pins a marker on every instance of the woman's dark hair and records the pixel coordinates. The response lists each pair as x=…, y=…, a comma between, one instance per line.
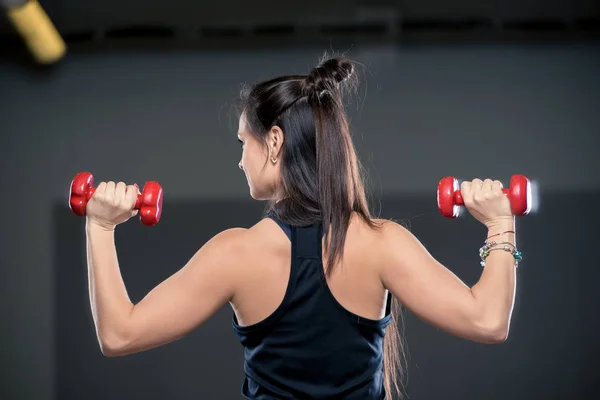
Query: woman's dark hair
x=321, y=176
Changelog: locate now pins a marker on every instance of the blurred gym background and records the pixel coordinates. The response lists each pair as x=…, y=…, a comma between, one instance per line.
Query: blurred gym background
x=142, y=90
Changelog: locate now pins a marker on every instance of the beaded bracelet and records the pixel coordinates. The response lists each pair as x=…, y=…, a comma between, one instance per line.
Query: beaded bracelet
x=488, y=247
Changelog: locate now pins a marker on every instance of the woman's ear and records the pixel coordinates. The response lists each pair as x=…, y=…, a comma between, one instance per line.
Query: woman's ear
x=275, y=141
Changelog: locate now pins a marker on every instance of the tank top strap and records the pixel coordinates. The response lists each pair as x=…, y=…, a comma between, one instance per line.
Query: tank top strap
x=306, y=272
x=307, y=241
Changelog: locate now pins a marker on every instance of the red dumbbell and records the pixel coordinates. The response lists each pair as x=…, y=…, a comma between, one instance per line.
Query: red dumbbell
x=449, y=197
x=149, y=202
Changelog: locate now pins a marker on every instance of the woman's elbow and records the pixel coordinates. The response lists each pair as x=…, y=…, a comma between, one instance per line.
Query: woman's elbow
x=114, y=346
x=111, y=350
x=494, y=334
x=495, y=337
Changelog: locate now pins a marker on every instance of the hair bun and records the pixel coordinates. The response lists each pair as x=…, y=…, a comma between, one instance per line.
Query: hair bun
x=328, y=75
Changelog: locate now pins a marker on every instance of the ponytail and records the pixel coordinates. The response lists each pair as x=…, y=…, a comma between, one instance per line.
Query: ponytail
x=336, y=170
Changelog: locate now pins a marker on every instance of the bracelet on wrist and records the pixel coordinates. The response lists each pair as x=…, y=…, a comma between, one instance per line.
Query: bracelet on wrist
x=490, y=246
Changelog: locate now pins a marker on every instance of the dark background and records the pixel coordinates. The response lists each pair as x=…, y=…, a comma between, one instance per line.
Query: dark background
x=470, y=89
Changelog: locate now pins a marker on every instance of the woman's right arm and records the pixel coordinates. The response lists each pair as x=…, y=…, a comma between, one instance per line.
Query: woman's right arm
x=433, y=293
x=436, y=295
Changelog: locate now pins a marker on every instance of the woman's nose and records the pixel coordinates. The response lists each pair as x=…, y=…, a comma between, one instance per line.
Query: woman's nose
x=240, y=166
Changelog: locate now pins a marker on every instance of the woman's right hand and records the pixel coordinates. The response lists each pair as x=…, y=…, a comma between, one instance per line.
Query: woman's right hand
x=486, y=201
x=112, y=204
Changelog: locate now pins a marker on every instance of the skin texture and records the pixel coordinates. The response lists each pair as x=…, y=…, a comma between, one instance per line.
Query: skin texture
x=220, y=272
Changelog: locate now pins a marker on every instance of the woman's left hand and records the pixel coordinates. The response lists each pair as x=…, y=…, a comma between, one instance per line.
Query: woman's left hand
x=112, y=204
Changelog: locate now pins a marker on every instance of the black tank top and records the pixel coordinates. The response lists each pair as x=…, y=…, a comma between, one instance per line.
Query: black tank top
x=311, y=347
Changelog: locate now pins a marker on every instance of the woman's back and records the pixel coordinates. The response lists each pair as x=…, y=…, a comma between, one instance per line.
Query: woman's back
x=356, y=284
x=304, y=336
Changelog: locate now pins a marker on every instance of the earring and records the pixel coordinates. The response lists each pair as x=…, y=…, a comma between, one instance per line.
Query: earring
x=274, y=160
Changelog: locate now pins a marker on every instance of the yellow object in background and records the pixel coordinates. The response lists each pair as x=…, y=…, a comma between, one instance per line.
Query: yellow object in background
x=33, y=24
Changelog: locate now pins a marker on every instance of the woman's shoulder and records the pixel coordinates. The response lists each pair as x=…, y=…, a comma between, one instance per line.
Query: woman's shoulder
x=266, y=233
x=376, y=235
x=373, y=226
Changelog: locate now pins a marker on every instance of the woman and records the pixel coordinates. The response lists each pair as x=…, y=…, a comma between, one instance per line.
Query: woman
x=315, y=285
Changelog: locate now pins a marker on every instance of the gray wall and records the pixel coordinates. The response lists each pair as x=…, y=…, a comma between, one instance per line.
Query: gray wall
x=425, y=112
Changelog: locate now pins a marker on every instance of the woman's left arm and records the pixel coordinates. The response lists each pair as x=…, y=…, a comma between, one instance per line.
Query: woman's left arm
x=172, y=309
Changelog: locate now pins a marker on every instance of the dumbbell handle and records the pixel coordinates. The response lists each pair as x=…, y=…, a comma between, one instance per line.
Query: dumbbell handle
x=458, y=199
x=92, y=190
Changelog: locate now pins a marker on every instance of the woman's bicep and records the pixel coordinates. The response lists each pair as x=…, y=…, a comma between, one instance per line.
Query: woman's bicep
x=427, y=288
